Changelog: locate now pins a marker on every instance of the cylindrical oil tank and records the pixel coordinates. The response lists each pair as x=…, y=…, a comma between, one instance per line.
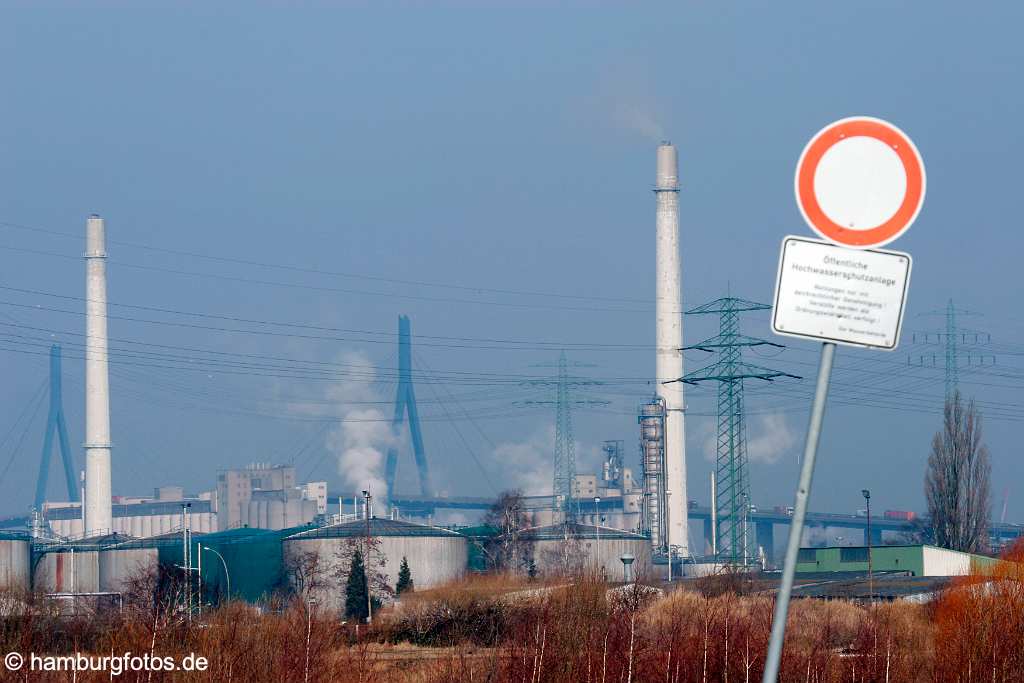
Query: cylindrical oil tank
x=15, y=563
x=67, y=571
x=581, y=547
x=435, y=555
x=118, y=568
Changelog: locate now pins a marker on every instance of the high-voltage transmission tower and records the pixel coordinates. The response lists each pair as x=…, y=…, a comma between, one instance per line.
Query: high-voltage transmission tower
x=732, y=481
x=56, y=425
x=565, y=443
x=405, y=404
x=961, y=346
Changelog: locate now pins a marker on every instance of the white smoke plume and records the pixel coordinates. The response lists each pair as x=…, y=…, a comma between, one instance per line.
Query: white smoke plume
x=769, y=437
x=529, y=465
x=639, y=119
x=626, y=94
x=362, y=439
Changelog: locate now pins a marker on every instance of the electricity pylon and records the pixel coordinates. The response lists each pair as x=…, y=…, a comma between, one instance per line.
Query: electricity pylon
x=731, y=476
x=565, y=443
x=405, y=403
x=959, y=344
x=55, y=423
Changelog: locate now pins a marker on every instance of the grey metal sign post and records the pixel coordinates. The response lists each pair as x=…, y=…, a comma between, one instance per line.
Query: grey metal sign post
x=860, y=183
x=796, y=528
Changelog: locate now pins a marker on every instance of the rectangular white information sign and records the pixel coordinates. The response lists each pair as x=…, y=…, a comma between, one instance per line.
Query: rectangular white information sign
x=846, y=296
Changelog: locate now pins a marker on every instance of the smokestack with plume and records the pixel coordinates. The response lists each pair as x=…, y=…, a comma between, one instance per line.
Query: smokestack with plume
x=669, y=343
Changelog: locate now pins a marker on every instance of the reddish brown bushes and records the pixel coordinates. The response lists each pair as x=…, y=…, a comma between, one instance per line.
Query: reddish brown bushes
x=979, y=623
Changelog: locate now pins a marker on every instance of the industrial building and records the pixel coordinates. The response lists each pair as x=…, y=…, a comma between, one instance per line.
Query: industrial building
x=137, y=517
x=917, y=560
x=261, y=496
x=265, y=496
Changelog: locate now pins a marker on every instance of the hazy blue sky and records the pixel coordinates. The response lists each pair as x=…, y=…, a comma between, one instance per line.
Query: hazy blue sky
x=430, y=158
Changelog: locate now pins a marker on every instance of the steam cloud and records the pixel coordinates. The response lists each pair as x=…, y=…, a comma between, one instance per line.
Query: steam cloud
x=627, y=94
x=768, y=439
x=529, y=465
x=771, y=439
x=362, y=439
x=638, y=119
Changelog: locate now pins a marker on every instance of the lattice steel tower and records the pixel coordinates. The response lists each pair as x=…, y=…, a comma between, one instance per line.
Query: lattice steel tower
x=565, y=443
x=960, y=345
x=731, y=477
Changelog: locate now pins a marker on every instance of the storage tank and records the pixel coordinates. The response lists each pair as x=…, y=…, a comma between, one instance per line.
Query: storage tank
x=118, y=567
x=15, y=562
x=66, y=570
x=435, y=555
x=573, y=548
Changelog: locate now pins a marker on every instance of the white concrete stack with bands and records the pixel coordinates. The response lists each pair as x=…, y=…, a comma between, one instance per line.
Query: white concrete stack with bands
x=669, y=344
x=97, y=510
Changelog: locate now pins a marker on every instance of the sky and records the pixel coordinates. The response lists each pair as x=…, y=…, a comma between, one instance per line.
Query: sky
x=280, y=183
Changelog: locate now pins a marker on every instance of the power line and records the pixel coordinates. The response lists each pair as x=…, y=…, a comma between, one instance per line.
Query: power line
x=319, y=271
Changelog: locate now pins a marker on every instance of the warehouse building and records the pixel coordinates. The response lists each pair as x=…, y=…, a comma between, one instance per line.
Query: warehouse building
x=918, y=560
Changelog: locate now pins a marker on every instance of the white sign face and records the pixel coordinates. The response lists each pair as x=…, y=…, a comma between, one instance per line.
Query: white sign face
x=860, y=182
x=836, y=294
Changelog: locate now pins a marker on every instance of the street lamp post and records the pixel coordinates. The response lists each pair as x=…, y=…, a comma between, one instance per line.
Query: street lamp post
x=366, y=561
x=871, y=579
x=227, y=575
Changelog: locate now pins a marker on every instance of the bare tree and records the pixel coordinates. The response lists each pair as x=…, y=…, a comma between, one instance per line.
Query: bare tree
x=507, y=550
x=957, y=484
x=375, y=563
x=305, y=574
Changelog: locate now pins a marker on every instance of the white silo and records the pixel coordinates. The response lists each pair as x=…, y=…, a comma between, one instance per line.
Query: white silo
x=669, y=343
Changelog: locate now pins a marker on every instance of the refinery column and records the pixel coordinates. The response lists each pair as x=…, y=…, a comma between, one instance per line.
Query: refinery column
x=669, y=344
x=96, y=505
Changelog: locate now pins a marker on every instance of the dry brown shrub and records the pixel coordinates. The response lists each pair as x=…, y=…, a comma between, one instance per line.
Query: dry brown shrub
x=979, y=623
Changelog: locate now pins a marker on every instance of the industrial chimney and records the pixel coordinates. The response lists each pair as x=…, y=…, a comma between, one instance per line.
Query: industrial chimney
x=96, y=506
x=669, y=344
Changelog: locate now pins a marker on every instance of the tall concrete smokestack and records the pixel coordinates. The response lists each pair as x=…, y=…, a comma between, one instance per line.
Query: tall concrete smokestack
x=96, y=506
x=669, y=344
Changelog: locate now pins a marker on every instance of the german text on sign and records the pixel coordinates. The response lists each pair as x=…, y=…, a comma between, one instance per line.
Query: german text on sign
x=847, y=296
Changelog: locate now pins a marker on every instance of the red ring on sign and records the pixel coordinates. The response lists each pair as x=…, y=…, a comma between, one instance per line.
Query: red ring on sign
x=912, y=167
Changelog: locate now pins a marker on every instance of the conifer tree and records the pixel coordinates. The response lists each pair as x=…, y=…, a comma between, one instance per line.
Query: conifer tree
x=356, y=589
x=404, y=578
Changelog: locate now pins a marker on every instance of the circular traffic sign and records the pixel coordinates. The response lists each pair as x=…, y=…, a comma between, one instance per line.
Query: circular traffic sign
x=860, y=182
